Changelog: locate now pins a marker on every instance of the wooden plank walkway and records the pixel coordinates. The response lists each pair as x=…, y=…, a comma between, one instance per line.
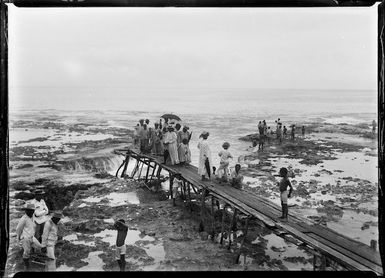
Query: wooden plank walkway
x=348, y=252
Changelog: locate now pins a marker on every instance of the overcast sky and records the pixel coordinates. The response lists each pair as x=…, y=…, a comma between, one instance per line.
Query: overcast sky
x=164, y=48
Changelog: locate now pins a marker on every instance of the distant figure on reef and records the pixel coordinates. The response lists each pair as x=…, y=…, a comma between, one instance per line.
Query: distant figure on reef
x=261, y=139
x=303, y=131
x=225, y=156
x=236, y=179
x=122, y=229
x=171, y=142
x=284, y=132
x=269, y=135
x=158, y=144
x=147, y=122
x=374, y=124
x=151, y=140
x=144, y=139
x=292, y=132
x=279, y=134
x=260, y=128
x=166, y=154
x=49, y=239
x=25, y=232
x=136, y=135
x=184, y=152
x=283, y=184
x=40, y=214
x=204, y=168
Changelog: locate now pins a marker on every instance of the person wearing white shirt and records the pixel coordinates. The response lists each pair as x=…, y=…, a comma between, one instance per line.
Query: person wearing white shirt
x=41, y=212
x=25, y=232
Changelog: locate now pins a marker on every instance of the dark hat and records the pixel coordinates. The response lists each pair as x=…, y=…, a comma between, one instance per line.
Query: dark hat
x=226, y=145
x=205, y=134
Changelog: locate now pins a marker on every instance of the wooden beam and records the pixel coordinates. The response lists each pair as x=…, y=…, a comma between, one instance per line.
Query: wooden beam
x=201, y=224
x=212, y=219
x=223, y=222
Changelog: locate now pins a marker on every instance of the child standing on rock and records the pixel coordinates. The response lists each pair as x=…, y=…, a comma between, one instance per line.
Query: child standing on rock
x=283, y=184
x=120, y=243
x=225, y=156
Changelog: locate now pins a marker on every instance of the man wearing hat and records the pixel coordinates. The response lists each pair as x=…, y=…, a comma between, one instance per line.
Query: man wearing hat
x=41, y=212
x=49, y=240
x=25, y=232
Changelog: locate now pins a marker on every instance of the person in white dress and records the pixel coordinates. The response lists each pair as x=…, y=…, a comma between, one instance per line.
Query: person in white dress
x=171, y=142
x=205, y=163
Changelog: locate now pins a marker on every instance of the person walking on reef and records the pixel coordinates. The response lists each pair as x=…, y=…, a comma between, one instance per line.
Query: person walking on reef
x=122, y=229
x=292, y=133
x=40, y=214
x=279, y=134
x=25, y=232
x=303, y=131
x=223, y=169
x=49, y=239
x=204, y=168
x=284, y=132
x=283, y=184
x=158, y=145
x=143, y=139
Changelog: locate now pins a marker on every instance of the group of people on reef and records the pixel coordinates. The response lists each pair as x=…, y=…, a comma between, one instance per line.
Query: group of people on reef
x=38, y=231
x=266, y=134
x=164, y=139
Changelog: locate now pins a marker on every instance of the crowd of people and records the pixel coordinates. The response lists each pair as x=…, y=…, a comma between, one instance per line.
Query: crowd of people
x=266, y=133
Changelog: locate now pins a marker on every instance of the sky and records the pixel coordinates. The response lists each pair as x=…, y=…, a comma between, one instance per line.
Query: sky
x=95, y=52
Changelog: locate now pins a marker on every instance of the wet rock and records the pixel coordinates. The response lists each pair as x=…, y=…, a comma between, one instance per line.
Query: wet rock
x=23, y=166
x=20, y=186
x=19, y=203
x=301, y=191
x=90, y=226
x=204, y=235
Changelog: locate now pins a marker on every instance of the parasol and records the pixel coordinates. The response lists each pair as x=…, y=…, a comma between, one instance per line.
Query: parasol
x=171, y=117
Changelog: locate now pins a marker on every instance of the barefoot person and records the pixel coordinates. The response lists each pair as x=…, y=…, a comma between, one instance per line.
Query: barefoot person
x=204, y=168
x=236, y=179
x=49, y=239
x=225, y=156
x=122, y=229
x=283, y=184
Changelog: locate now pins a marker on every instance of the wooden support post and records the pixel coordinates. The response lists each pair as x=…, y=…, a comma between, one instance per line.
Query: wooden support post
x=201, y=224
x=153, y=171
x=189, y=196
x=243, y=239
x=171, y=183
x=194, y=189
x=135, y=168
x=125, y=166
x=212, y=219
x=231, y=227
x=223, y=222
x=323, y=263
x=158, y=172
x=148, y=170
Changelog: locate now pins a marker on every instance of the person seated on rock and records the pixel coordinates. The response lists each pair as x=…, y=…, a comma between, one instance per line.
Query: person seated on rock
x=122, y=229
x=40, y=214
x=25, y=232
x=236, y=179
x=49, y=239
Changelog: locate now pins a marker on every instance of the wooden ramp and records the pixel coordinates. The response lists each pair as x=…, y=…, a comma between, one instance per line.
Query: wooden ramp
x=327, y=243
